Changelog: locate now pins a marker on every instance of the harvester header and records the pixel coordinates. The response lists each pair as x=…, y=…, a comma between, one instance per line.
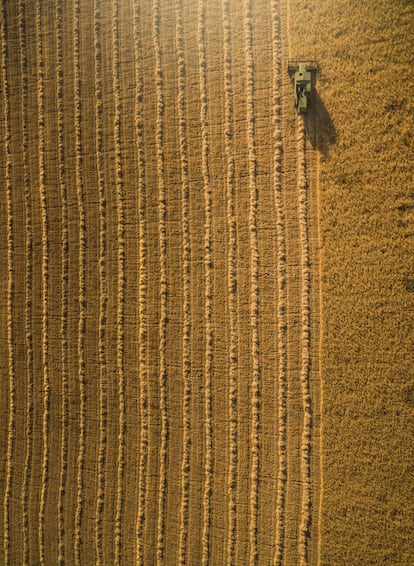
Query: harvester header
x=300, y=73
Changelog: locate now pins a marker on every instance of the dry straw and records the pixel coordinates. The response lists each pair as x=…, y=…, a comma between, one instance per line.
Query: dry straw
x=208, y=290
x=81, y=285
x=45, y=280
x=305, y=452
x=142, y=296
x=64, y=284
x=103, y=290
x=282, y=322
x=25, y=493
x=121, y=284
x=231, y=285
x=254, y=289
x=186, y=279
x=163, y=283
x=10, y=289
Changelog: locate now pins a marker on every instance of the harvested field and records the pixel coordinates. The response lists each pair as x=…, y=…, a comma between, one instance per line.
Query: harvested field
x=207, y=300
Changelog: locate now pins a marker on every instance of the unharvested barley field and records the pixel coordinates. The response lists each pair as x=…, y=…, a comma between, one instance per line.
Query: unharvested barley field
x=206, y=300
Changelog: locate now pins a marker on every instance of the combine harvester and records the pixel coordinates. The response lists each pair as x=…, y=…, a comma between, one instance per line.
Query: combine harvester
x=300, y=73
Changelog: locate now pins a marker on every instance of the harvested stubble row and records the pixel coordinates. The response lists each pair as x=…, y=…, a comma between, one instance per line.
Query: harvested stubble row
x=163, y=322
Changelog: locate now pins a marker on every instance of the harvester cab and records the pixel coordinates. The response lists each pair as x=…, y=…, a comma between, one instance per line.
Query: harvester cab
x=300, y=73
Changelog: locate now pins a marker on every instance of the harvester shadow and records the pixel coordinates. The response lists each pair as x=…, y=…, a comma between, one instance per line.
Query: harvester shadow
x=319, y=126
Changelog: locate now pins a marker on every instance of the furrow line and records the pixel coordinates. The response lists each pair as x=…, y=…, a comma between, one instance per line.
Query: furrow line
x=45, y=281
x=82, y=285
x=254, y=290
x=281, y=287
x=186, y=278
x=103, y=289
x=231, y=287
x=142, y=294
x=120, y=211
x=64, y=288
x=28, y=325
x=10, y=294
x=305, y=456
x=208, y=289
x=162, y=235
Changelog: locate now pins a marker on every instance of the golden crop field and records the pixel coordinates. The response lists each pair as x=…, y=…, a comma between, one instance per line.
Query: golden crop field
x=206, y=299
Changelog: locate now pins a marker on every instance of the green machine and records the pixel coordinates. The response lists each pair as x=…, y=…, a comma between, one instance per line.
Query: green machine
x=300, y=73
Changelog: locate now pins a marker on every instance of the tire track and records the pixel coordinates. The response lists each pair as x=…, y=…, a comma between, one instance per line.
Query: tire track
x=162, y=236
x=45, y=281
x=281, y=287
x=231, y=287
x=254, y=290
x=186, y=279
x=306, y=441
x=208, y=289
x=64, y=285
x=142, y=294
x=103, y=290
x=28, y=325
x=82, y=285
x=120, y=335
x=10, y=293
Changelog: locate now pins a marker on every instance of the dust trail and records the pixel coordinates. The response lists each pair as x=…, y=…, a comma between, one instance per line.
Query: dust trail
x=120, y=331
x=282, y=322
x=28, y=325
x=45, y=280
x=208, y=289
x=186, y=278
x=81, y=285
x=305, y=468
x=10, y=293
x=231, y=287
x=64, y=285
x=163, y=294
x=142, y=293
x=254, y=291
x=103, y=289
